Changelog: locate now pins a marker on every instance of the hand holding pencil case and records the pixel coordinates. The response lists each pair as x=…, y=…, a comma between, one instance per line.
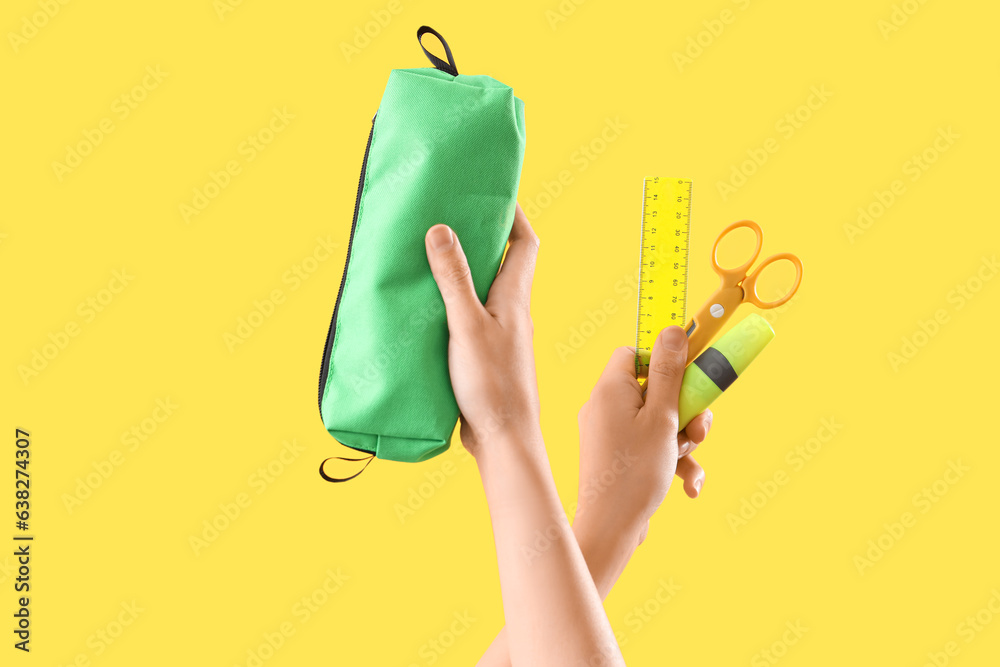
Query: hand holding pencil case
x=443, y=148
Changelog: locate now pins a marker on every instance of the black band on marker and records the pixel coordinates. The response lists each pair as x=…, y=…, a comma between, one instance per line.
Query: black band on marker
x=718, y=369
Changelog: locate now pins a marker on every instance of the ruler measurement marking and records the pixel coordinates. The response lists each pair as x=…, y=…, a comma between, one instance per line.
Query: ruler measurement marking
x=663, y=277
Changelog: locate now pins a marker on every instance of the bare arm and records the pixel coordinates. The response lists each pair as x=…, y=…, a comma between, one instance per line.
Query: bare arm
x=612, y=519
x=552, y=606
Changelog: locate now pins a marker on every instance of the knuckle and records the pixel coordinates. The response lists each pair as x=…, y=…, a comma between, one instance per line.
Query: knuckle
x=456, y=272
x=671, y=420
x=526, y=325
x=666, y=369
x=595, y=395
x=663, y=423
x=518, y=320
x=602, y=393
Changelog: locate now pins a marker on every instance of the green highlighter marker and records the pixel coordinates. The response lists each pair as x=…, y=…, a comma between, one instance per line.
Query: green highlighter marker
x=720, y=364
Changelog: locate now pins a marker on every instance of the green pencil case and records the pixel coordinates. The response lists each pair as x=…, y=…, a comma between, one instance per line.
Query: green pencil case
x=443, y=148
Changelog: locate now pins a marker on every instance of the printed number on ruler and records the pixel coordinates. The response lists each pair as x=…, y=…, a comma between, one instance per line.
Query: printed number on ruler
x=663, y=262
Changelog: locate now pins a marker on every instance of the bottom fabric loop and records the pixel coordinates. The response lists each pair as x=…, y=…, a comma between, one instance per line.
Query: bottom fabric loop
x=367, y=459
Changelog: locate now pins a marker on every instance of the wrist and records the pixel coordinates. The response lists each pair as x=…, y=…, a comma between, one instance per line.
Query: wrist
x=509, y=438
x=607, y=550
x=595, y=528
x=610, y=517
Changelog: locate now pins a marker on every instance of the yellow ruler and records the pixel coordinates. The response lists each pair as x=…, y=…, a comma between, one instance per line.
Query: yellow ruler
x=663, y=262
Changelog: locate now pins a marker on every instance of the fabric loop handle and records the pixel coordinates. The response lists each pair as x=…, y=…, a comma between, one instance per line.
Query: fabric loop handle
x=449, y=66
x=367, y=459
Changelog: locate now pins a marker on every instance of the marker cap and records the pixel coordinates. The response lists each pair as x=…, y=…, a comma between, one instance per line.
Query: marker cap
x=743, y=342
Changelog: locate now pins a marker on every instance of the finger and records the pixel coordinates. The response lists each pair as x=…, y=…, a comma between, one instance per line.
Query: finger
x=692, y=474
x=452, y=275
x=694, y=433
x=518, y=270
x=666, y=370
x=618, y=377
x=622, y=362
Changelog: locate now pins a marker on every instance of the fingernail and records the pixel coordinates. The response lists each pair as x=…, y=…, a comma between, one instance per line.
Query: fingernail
x=683, y=449
x=697, y=485
x=673, y=338
x=440, y=237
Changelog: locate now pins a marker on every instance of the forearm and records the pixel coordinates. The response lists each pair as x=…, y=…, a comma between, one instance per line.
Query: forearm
x=553, y=609
x=606, y=553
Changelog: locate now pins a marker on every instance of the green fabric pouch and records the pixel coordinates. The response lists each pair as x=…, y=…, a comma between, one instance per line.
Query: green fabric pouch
x=444, y=148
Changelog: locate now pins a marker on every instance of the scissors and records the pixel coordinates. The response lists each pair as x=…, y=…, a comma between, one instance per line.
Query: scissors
x=738, y=286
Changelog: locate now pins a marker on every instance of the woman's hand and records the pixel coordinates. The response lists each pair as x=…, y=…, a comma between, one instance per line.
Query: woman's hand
x=490, y=356
x=630, y=448
x=551, y=603
x=629, y=451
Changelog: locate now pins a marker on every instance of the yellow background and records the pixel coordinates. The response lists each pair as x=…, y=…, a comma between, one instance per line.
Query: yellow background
x=164, y=335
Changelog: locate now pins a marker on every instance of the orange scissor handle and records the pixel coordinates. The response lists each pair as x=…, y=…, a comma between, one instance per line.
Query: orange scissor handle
x=736, y=287
x=735, y=275
x=750, y=282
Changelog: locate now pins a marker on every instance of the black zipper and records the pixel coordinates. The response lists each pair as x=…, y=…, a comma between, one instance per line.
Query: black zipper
x=324, y=368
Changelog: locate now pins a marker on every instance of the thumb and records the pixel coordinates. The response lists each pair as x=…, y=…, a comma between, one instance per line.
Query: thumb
x=666, y=370
x=452, y=275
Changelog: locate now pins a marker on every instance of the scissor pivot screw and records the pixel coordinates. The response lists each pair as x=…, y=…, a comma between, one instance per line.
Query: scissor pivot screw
x=717, y=310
